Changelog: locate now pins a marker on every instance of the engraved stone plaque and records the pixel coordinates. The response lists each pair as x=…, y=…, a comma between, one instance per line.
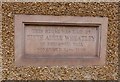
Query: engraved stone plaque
x=59, y=40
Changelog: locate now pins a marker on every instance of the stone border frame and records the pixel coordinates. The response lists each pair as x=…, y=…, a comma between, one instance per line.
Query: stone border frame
x=21, y=20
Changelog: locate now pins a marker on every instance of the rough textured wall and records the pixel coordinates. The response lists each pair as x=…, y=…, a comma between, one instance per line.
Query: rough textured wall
x=106, y=72
x=0, y=41
x=119, y=39
x=60, y=0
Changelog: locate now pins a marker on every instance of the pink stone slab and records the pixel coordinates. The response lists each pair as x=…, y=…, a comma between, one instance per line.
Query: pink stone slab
x=42, y=40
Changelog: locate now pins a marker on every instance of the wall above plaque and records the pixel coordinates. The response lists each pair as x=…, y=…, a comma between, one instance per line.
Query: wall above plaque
x=42, y=40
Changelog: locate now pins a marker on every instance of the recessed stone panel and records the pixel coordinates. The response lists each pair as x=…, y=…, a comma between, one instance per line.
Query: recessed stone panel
x=59, y=40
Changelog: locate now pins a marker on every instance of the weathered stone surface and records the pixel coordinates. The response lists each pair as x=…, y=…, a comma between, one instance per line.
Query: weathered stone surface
x=106, y=72
x=58, y=41
x=67, y=39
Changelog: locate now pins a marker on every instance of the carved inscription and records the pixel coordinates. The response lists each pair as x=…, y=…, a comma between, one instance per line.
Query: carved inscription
x=60, y=41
